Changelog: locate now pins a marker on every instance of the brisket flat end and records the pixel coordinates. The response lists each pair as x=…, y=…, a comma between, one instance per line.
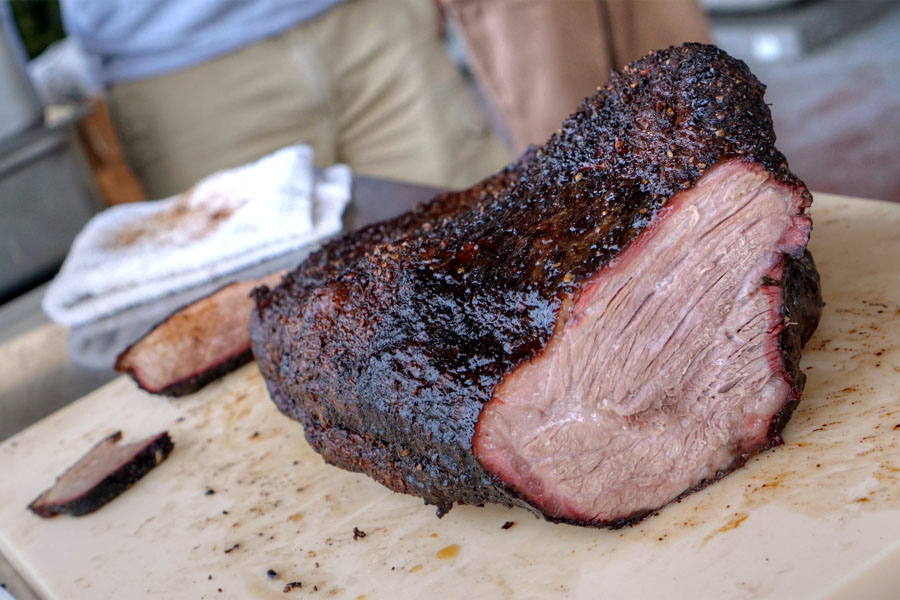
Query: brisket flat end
x=612, y=321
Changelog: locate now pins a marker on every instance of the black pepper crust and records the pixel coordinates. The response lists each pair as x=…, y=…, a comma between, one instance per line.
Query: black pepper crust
x=387, y=343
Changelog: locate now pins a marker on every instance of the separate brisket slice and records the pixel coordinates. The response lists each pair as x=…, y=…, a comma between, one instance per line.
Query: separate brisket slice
x=102, y=474
x=197, y=344
x=612, y=322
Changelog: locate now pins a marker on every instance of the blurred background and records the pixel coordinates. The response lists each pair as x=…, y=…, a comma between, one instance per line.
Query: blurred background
x=832, y=68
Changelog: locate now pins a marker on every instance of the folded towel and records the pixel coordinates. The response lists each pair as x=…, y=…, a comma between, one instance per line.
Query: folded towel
x=133, y=254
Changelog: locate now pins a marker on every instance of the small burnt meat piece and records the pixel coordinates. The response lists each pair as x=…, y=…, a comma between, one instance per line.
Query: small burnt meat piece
x=101, y=475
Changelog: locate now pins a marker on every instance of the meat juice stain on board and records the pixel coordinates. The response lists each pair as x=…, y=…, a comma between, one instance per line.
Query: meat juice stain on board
x=248, y=488
x=451, y=551
x=251, y=483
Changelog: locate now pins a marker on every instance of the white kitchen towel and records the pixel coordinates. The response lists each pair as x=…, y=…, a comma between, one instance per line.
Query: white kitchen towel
x=131, y=254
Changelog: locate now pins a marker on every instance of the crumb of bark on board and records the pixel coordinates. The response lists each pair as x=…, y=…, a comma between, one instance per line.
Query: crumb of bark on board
x=232, y=549
x=290, y=586
x=358, y=533
x=507, y=525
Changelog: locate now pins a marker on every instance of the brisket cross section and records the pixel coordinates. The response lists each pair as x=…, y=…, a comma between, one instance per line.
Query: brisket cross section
x=611, y=322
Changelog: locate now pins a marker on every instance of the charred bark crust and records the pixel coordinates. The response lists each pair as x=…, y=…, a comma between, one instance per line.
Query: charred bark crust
x=801, y=312
x=387, y=343
x=184, y=323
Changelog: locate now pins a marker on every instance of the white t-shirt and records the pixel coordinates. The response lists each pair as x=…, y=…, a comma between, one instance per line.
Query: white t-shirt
x=138, y=39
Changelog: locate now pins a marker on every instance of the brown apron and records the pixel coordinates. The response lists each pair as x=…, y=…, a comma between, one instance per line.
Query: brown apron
x=536, y=60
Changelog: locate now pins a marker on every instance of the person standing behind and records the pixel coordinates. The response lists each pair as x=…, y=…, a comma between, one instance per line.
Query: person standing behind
x=200, y=86
x=536, y=60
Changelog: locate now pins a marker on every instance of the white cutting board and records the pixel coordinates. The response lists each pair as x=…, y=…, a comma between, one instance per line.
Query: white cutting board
x=817, y=517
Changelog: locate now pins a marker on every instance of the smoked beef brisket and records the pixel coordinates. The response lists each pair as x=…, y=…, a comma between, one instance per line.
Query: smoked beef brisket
x=613, y=321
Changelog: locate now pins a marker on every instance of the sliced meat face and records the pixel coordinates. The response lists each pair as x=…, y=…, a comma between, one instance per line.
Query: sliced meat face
x=197, y=344
x=665, y=367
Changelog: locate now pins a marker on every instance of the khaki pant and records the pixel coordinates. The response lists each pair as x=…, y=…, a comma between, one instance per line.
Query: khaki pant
x=368, y=83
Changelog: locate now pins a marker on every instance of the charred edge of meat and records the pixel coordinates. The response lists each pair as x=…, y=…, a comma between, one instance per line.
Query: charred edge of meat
x=125, y=356
x=343, y=251
x=157, y=448
x=195, y=382
x=201, y=380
